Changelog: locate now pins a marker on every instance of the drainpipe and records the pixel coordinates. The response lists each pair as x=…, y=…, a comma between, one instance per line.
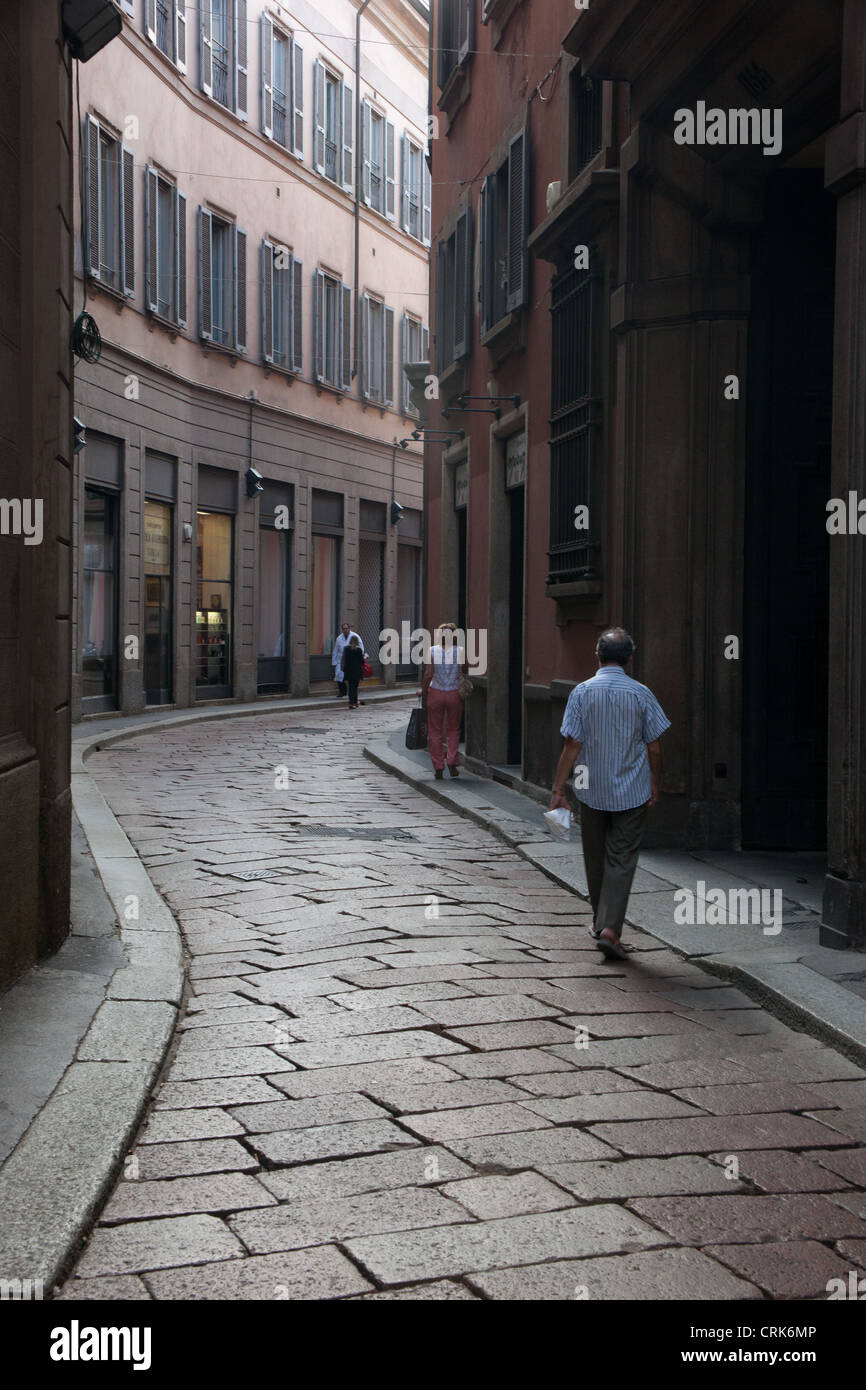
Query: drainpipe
x=358, y=174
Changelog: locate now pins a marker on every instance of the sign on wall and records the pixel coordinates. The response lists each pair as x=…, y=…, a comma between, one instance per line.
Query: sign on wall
x=515, y=460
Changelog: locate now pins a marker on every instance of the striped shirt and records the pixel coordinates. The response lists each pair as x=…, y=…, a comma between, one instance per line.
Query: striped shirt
x=613, y=717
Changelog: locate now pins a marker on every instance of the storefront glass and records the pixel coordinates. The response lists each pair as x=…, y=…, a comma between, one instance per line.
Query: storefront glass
x=214, y=604
x=99, y=600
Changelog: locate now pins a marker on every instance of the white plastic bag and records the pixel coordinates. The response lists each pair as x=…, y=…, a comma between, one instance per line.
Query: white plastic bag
x=559, y=822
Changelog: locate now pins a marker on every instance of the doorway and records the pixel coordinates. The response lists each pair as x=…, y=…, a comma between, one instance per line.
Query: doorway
x=786, y=572
x=157, y=603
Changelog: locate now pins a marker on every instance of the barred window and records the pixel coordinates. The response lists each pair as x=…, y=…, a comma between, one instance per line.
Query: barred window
x=282, y=87
x=165, y=26
x=574, y=422
x=585, y=115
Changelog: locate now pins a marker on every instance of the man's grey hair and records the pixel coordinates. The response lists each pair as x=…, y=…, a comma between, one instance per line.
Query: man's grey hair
x=615, y=645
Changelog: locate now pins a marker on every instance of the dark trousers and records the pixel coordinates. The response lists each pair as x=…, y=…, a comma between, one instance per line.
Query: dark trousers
x=341, y=686
x=611, y=845
x=353, y=691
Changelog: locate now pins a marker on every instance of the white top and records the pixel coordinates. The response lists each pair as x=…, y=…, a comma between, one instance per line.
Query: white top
x=337, y=656
x=446, y=667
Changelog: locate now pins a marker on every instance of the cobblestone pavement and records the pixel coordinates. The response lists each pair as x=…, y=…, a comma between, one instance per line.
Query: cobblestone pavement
x=404, y=1072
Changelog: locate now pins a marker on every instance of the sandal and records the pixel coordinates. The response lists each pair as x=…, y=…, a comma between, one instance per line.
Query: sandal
x=609, y=944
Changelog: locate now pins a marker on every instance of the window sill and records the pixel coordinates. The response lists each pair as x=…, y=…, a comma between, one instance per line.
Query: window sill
x=154, y=47
x=455, y=92
x=120, y=298
x=329, y=389
x=574, y=599
x=173, y=329
x=289, y=375
x=233, y=354
x=505, y=336
x=589, y=201
x=498, y=14
x=452, y=381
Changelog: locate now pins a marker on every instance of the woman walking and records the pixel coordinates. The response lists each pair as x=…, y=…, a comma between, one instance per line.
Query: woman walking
x=353, y=668
x=441, y=689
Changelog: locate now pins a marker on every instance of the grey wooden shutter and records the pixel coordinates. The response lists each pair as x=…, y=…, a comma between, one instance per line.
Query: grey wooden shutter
x=241, y=59
x=425, y=344
x=151, y=239
x=364, y=339
x=404, y=380
x=206, y=46
x=127, y=220
x=150, y=19
x=91, y=144
x=205, y=307
x=297, y=100
x=319, y=117
x=366, y=135
x=240, y=289
x=180, y=255
x=318, y=325
x=390, y=171
x=486, y=213
x=442, y=348
x=426, y=201
x=388, y=354
x=348, y=98
x=267, y=299
x=519, y=193
x=467, y=29
x=404, y=181
x=267, y=82
x=346, y=335
x=296, y=325
x=463, y=284
x=180, y=34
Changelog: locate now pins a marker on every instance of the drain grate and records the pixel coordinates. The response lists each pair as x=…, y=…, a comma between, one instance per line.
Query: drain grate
x=346, y=832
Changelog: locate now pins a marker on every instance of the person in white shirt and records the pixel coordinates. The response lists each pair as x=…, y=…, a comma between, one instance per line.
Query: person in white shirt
x=342, y=642
x=440, y=688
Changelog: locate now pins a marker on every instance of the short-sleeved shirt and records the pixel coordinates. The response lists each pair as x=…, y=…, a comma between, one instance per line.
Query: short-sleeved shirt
x=614, y=718
x=446, y=663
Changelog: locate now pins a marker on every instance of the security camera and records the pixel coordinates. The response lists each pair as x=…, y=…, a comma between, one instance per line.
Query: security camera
x=396, y=513
x=80, y=436
x=254, y=482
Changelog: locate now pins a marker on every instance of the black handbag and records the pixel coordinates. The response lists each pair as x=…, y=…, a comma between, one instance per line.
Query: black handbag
x=416, y=734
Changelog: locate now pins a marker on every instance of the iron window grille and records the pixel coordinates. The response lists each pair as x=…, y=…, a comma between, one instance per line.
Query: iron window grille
x=574, y=427
x=586, y=120
x=165, y=26
x=223, y=51
x=282, y=87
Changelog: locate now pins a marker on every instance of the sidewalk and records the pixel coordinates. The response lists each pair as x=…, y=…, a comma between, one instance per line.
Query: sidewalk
x=817, y=990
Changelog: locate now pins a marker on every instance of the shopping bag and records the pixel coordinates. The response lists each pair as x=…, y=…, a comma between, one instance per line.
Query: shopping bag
x=416, y=734
x=366, y=670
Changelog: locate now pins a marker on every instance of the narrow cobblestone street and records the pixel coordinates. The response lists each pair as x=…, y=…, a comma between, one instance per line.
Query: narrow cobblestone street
x=404, y=1071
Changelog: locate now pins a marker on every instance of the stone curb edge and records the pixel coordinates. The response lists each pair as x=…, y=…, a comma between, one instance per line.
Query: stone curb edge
x=786, y=990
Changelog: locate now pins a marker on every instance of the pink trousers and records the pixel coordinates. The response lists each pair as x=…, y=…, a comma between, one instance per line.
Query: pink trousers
x=444, y=708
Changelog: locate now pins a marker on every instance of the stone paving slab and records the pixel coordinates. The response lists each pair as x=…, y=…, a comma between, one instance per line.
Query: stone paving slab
x=530, y=1149
x=745, y=1219
x=322, y=1273
x=571, y=1082
x=604, y=1181
x=121, y=1288
x=168, y=1126
x=705, y=1134
x=509, y=1062
x=656, y=1274
x=518, y=1240
x=227, y=1090
x=787, y=1269
x=441, y=1126
x=755, y=1098
x=378, y=1048
x=450, y=1095
x=340, y=1218
x=195, y=1156
x=373, y=1173
x=305, y=1114
x=776, y=1170
x=619, y=1105
x=516, y=1195
x=440, y=1290
x=141, y=1245
x=329, y=1141
x=214, y=1192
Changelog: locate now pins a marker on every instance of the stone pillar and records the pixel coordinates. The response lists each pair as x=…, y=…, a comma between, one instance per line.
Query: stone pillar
x=844, y=911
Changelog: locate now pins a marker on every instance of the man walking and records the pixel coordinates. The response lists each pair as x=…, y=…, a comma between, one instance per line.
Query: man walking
x=615, y=723
x=342, y=642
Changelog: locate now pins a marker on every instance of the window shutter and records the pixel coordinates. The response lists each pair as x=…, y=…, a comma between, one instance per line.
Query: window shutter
x=442, y=348
x=425, y=344
x=519, y=193
x=366, y=149
x=128, y=6
x=298, y=100
x=388, y=356
x=318, y=325
x=206, y=47
x=205, y=311
x=91, y=130
x=426, y=201
x=463, y=284
x=319, y=108
x=240, y=289
x=127, y=219
x=467, y=28
x=241, y=59
x=486, y=212
x=365, y=346
x=404, y=181
x=348, y=136
x=267, y=84
x=180, y=33
x=390, y=171
x=346, y=335
x=180, y=255
x=151, y=240
x=267, y=299
x=404, y=380
x=296, y=324
x=150, y=19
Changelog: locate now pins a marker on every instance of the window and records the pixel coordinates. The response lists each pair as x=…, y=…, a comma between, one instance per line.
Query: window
x=99, y=600
x=414, y=191
x=223, y=44
x=282, y=88
x=165, y=25
x=456, y=32
x=222, y=288
x=332, y=331
x=333, y=152
x=281, y=307
x=165, y=248
x=378, y=145
x=414, y=347
x=575, y=410
x=377, y=351
x=110, y=212
x=213, y=616
x=454, y=282
x=585, y=113
x=505, y=223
